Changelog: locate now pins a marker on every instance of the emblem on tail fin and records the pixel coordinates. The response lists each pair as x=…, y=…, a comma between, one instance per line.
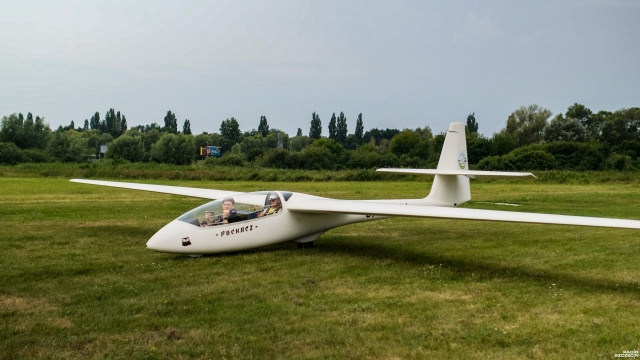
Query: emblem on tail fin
x=462, y=161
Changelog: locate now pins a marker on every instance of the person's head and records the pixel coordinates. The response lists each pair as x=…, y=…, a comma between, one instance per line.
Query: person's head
x=228, y=203
x=274, y=200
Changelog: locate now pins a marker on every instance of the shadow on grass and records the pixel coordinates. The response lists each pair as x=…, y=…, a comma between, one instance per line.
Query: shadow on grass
x=457, y=268
x=469, y=269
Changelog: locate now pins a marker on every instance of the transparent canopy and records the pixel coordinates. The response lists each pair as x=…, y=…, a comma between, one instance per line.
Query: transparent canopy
x=232, y=209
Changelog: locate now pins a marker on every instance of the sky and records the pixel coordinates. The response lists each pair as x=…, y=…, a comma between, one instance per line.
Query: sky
x=402, y=64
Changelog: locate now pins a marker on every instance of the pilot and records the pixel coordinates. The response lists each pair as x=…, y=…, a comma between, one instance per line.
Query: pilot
x=275, y=205
x=228, y=212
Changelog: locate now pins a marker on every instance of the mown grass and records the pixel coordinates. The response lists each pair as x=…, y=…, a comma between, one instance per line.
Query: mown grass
x=76, y=280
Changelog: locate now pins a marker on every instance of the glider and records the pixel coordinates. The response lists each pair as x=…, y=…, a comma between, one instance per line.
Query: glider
x=239, y=221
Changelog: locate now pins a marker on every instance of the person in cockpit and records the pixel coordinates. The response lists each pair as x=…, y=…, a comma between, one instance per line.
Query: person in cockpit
x=229, y=214
x=209, y=219
x=275, y=205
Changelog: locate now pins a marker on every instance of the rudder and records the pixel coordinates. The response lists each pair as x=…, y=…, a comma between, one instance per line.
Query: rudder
x=452, y=190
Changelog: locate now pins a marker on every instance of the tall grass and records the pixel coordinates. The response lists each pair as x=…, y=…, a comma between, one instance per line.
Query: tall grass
x=212, y=172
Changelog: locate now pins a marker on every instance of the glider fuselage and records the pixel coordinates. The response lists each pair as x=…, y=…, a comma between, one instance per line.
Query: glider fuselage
x=185, y=236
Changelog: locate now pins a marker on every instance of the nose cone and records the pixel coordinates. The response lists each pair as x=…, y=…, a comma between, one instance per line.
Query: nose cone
x=173, y=238
x=155, y=243
x=160, y=242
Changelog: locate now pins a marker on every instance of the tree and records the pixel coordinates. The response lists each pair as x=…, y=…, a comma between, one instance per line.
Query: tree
x=472, y=125
x=12, y=130
x=150, y=137
x=315, y=132
x=565, y=129
x=186, y=128
x=359, y=129
x=478, y=147
x=332, y=127
x=230, y=131
x=404, y=142
x=299, y=133
x=170, y=123
x=114, y=123
x=378, y=135
x=412, y=147
x=622, y=125
x=526, y=124
x=25, y=133
x=123, y=124
x=580, y=112
x=263, y=128
x=586, y=118
x=94, y=123
x=341, y=129
x=67, y=146
x=126, y=147
x=174, y=149
x=300, y=142
x=502, y=144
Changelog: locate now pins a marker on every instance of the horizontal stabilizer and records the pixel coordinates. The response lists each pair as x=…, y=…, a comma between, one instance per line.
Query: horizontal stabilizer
x=468, y=173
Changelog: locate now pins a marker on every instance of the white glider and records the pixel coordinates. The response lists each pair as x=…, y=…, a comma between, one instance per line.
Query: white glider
x=239, y=221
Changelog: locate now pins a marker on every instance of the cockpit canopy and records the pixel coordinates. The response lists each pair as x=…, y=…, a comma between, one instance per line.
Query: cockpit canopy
x=246, y=206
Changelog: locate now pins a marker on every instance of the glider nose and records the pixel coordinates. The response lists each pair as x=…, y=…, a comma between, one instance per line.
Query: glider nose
x=173, y=238
x=154, y=243
x=160, y=241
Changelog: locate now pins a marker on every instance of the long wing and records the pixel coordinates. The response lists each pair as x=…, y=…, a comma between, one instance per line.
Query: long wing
x=165, y=189
x=386, y=209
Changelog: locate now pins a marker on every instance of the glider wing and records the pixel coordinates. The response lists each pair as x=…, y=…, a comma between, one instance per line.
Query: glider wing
x=390, y=209
x=165, y=189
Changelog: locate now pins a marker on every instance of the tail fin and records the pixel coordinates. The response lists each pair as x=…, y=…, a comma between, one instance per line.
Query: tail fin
x=451, y=184
x=452, y=190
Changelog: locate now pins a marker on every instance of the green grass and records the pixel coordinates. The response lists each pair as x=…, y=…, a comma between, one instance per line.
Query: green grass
x=76, y=280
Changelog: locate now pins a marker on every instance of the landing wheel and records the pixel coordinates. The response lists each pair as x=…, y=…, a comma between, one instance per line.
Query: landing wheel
x=306, y=245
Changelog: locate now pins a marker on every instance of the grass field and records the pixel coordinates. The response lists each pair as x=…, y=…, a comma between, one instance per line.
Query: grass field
x=76, y=280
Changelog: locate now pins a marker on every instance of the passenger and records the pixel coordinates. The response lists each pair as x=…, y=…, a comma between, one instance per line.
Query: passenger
x=229, y=214
x=209, y=219
x=275, y=205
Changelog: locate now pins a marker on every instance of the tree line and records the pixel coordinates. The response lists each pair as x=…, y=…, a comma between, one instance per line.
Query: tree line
x=578, y=139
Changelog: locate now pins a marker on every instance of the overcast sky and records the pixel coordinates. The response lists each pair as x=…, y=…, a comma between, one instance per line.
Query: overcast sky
x=402, y=64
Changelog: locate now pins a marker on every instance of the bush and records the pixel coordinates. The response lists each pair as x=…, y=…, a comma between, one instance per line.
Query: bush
x=496, y=163
x=628, y=147
x=232, y=159
x=318, y=158
x=295, y=160
x=620, y=162
x=275, y=158
x=36, y=156
x=576, y=155
x=10, y=154
x=174, y=149
x=68, y=146
x=362, y=159
x=126, y=147
x=531, y=159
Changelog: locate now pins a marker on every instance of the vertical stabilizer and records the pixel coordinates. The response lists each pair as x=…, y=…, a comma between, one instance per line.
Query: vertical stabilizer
x=452, y=190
